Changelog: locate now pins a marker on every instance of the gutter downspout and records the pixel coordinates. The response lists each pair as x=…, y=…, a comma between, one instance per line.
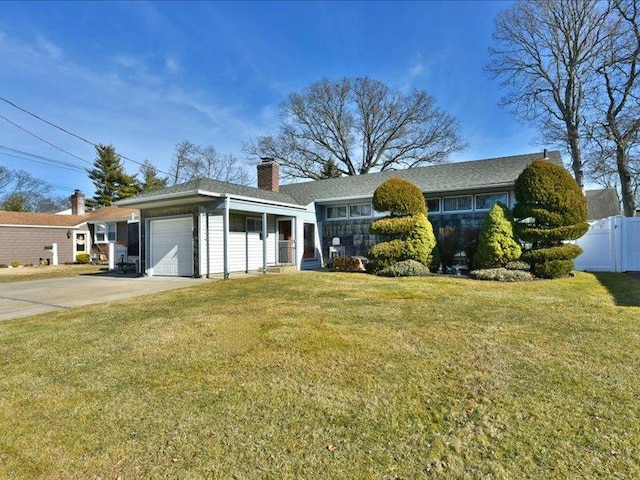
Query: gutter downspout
x=207, y=242
x=264, y=243
x=225, y=237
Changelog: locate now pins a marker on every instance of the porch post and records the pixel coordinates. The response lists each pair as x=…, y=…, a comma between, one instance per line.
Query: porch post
x=264, y=243
x=225, y=238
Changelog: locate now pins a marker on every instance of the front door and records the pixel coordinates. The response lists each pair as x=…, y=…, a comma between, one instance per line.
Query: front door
x=80, y=243
x=285, y=242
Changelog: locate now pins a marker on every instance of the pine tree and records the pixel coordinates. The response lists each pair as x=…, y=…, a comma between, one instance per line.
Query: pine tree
x=496, y=245
x=151, y=182
x=111, y=181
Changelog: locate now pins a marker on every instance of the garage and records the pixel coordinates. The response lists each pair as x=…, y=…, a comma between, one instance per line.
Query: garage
x=172, y=247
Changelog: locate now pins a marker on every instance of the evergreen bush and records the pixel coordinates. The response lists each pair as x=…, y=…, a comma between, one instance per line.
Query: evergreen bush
x=496, y=243
x=405, y=268
x=83, y=258
x=551, y=210
x=15, y=263
x=407, y=232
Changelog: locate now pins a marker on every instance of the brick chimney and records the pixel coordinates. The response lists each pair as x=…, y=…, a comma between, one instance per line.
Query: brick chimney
x=77, y=203
x=269, y=175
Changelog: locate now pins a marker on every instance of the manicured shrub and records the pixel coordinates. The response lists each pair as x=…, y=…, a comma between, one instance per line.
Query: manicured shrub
x=4, y=265
x=518, y=265
x=83, y=258
x=399, y=197
x=501, y=275
x=496, y=243
x=405, y=268
x=407, y=233
x=15, y=263
x=551, y=210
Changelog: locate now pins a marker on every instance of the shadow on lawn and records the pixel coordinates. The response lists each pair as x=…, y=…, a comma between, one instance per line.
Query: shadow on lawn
x=624, y=287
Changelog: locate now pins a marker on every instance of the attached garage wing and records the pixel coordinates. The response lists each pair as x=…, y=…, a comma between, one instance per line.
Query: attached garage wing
x=172, y=247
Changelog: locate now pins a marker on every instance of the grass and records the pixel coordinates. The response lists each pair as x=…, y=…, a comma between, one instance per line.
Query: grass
x=330, y=375
x=43, y=272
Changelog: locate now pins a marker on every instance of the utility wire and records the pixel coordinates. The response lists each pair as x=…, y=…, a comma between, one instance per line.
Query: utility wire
x=43, y=140
x=14, y=153
x=71, y=133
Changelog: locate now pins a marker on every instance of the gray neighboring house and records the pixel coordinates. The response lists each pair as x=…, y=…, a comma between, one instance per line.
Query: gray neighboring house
x=602, y=203
x=208, y=227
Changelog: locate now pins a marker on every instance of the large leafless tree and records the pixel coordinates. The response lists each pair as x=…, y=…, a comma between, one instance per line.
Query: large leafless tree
x=571, y=68
x=544, y=55
x=616, y=126
x=357, y=125
x=191, y=161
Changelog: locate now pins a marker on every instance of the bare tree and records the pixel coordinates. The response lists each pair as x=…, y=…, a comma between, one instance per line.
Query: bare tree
x=545, y=57
x=191, y=161
x=357, y=125
x=616, y=130
x=20, y=191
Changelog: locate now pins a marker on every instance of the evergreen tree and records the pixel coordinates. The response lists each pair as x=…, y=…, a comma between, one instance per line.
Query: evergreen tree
x=111, y=181
x=330, y=170
x=551, y=210
x=496, y=244
x=409, y=234
x=151, y=182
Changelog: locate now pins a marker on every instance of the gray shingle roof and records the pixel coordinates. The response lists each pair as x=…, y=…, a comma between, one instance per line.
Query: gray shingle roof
x=213, y=186
x=444, y=177
x=433, y=178
x=602, y=203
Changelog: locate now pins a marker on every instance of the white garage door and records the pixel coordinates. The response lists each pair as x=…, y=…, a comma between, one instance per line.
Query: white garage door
x=172, y=247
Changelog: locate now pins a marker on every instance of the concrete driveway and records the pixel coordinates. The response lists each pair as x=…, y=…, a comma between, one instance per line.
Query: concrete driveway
x=31, y=297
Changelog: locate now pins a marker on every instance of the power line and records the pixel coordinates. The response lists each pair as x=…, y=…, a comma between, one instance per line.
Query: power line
x=43, y=140
x=15, y=153
x=71, y=133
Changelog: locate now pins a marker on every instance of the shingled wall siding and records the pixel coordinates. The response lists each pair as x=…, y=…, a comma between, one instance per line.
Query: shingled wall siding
x=27, y=244
x=355, y=238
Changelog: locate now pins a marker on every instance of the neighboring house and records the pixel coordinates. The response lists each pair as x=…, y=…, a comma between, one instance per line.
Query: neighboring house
x=602, y=203
x=208, y=227
x=28, y=237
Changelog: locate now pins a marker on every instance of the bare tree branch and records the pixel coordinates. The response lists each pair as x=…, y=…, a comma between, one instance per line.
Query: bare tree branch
x=355, y=126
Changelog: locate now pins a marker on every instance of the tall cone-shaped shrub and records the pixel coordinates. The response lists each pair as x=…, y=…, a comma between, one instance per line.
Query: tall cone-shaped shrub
x=407, y=231
x=551, y=210
x=496, y=243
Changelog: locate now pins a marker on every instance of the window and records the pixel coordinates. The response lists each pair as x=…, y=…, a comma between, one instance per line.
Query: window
x=339, y=211
x=254, y=225
x=487, y=200
x=363, y=210
x=458, y=204
x=309, y=237
x=433, y=205
x=105, y=233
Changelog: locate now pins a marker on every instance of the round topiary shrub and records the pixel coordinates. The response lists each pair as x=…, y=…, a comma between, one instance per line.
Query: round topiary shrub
x=552, y=211
x=399, y=197
x=496, y=244
x=83, y=258
x=407, y=233
x=15, y=263
x=405, y=268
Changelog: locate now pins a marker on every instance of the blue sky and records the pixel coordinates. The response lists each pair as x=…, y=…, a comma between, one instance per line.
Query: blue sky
x=144, y=76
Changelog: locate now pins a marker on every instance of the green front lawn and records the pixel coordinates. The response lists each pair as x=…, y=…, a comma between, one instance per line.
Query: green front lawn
x=330, y=375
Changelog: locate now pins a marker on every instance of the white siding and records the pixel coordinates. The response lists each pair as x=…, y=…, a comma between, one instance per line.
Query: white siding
x=245, y=249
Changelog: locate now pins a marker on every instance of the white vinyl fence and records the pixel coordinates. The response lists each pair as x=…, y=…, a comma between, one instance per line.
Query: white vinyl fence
x=611, y=245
